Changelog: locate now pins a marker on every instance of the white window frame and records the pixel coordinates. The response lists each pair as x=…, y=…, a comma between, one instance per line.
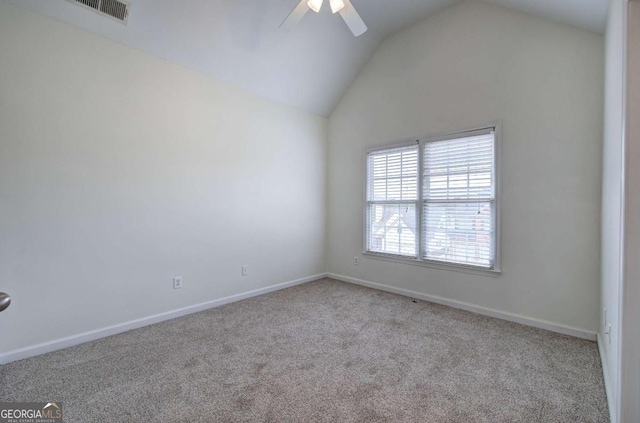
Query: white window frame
x=497, y=265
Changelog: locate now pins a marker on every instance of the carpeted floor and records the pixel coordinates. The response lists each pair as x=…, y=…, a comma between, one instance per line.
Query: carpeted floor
x=323, y=351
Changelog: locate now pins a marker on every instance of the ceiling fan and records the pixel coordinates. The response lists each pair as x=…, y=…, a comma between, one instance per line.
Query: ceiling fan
x=344, y=7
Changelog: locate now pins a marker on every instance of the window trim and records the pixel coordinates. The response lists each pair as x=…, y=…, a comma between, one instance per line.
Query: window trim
x=497, y=266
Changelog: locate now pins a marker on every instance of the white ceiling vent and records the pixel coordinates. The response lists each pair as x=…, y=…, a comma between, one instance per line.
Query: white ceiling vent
x=115, y=9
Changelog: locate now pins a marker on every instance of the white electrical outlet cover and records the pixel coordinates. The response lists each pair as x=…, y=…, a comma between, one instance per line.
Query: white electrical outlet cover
x=177, y=282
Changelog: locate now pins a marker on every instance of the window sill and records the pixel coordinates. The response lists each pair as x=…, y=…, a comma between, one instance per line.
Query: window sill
x=434, y=264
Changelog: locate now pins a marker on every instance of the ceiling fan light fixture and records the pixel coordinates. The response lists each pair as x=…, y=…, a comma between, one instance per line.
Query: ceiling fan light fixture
x=347, y=11
x=336, y=5
x=315, y=5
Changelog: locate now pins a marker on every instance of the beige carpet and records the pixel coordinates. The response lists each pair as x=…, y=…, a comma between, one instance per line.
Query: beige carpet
x=324, y=351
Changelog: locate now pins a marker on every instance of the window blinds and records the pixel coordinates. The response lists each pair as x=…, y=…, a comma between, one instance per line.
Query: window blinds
x=458, y=209
x=392, y=201
x=434, y=200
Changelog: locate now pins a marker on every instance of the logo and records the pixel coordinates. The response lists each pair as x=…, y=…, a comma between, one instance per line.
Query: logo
x=30, y=412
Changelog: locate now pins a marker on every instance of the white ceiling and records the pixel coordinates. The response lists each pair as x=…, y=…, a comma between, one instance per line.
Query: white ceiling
x=310, y=67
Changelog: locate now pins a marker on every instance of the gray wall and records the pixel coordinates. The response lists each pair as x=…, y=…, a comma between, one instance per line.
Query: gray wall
x=119, y=171
x=472, y=64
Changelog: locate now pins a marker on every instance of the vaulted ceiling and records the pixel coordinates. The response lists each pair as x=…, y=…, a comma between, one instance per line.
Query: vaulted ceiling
x=310, y=67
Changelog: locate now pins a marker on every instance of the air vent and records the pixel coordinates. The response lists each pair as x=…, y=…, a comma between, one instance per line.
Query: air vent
x=116, y=9
x=94, y=4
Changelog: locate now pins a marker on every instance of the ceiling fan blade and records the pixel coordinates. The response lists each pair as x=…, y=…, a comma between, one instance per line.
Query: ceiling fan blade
x=353, y=20
x=296, y=15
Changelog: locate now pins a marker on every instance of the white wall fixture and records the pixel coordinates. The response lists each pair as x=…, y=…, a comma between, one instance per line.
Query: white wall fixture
x=346, y=9
x=114, y=9
x=177, y=282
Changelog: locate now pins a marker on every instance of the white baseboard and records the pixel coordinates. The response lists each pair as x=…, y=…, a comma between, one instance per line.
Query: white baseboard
x=607, y=380
x=70, y=341
x=528, y=321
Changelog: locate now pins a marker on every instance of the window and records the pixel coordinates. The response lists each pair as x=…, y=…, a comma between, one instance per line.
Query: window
x=448, y=212
x=392, y=205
